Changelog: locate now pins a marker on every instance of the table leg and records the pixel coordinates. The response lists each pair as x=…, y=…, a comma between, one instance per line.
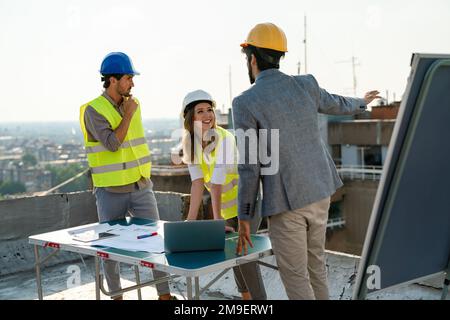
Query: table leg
x=196, y=288
x=138, y=281
x=97, y=278
x=189, y=288
x=38, y=272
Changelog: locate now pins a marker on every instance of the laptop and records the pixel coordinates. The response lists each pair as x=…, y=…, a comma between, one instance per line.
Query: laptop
x=196, y=235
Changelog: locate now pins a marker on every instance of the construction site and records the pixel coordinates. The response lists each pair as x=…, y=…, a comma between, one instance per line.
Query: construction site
x=253, y=151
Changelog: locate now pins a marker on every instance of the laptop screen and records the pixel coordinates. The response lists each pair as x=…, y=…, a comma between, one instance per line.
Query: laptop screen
x=197, y=235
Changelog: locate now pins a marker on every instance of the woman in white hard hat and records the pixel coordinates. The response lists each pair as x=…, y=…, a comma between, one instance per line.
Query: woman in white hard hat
x=211, y=154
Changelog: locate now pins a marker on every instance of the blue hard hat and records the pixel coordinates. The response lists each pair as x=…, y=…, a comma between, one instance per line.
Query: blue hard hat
x=117, y=63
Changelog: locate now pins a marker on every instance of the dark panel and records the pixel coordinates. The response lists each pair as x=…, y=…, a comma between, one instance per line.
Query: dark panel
x=409, y=234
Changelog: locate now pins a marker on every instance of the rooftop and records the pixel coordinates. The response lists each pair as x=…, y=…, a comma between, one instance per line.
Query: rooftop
x=57, y=286
x=34, y=215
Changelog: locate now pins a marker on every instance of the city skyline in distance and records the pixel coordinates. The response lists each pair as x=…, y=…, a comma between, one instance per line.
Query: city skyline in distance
x=52, y=50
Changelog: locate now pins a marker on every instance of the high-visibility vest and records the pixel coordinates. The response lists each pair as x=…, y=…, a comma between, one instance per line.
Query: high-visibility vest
x=228, y=208
x=130, y=162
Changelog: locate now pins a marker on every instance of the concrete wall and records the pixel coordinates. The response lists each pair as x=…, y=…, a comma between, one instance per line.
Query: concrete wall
x=360, y=132
x=24, y=217
x=357, y=207
x=179, y=183
x=357, y=204
x=172, y=206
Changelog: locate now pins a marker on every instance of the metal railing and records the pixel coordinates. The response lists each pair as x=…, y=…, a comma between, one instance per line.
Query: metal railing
x=356, y=172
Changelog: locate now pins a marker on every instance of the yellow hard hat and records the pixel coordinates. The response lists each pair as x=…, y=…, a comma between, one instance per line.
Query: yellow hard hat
x=268, y=36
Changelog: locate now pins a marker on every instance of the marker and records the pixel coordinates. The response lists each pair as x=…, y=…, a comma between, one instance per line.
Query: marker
x=147, y=235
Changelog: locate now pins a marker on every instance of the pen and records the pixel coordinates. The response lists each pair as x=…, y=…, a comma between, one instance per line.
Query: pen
x=147, y=235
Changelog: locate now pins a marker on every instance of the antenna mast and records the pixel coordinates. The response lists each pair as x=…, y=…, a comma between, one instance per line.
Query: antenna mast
x=355, y=63
x=306, y=52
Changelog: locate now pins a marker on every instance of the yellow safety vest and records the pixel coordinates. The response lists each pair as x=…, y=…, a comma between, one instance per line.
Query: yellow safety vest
x=229, y=194
x=126, y=165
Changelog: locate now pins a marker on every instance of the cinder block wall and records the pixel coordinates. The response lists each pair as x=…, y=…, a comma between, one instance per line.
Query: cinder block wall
x=21, y=218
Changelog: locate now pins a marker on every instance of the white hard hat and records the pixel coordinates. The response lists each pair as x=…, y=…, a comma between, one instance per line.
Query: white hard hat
x=197, y=95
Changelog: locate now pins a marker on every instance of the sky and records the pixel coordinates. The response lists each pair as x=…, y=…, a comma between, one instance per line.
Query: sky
x=51, y=50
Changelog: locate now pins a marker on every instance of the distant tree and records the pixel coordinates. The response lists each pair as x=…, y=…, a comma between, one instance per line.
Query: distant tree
x=29, y=160
x=11, y=187
x=61, y=174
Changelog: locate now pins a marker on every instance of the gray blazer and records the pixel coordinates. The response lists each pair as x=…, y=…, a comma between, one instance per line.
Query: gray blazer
x=306, y=172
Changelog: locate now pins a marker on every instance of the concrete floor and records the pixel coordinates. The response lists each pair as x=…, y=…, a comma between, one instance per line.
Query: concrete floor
x=57, y=284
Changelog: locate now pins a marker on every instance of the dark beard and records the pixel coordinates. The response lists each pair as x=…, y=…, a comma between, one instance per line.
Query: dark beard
x=250, y=74
x=126, y=93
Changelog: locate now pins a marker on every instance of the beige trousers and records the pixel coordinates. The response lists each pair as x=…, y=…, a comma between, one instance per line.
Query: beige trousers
x=298, y=241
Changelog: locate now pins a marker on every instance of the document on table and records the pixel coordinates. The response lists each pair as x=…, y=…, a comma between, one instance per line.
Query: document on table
x=90, y=234
x=153, y=244
x=126, y=237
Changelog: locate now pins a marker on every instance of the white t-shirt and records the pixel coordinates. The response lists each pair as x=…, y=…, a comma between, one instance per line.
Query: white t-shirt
x=225, y=163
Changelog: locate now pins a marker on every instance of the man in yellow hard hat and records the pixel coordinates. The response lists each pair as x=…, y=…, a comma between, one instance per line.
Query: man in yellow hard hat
x=296, y=196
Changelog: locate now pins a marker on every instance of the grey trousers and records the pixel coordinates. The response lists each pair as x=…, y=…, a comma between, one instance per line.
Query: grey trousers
x=113, y=206
x=248, y=276
x=298, y=242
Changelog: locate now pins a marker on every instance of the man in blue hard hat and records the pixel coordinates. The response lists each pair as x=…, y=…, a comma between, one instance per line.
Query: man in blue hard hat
x=119, y=157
